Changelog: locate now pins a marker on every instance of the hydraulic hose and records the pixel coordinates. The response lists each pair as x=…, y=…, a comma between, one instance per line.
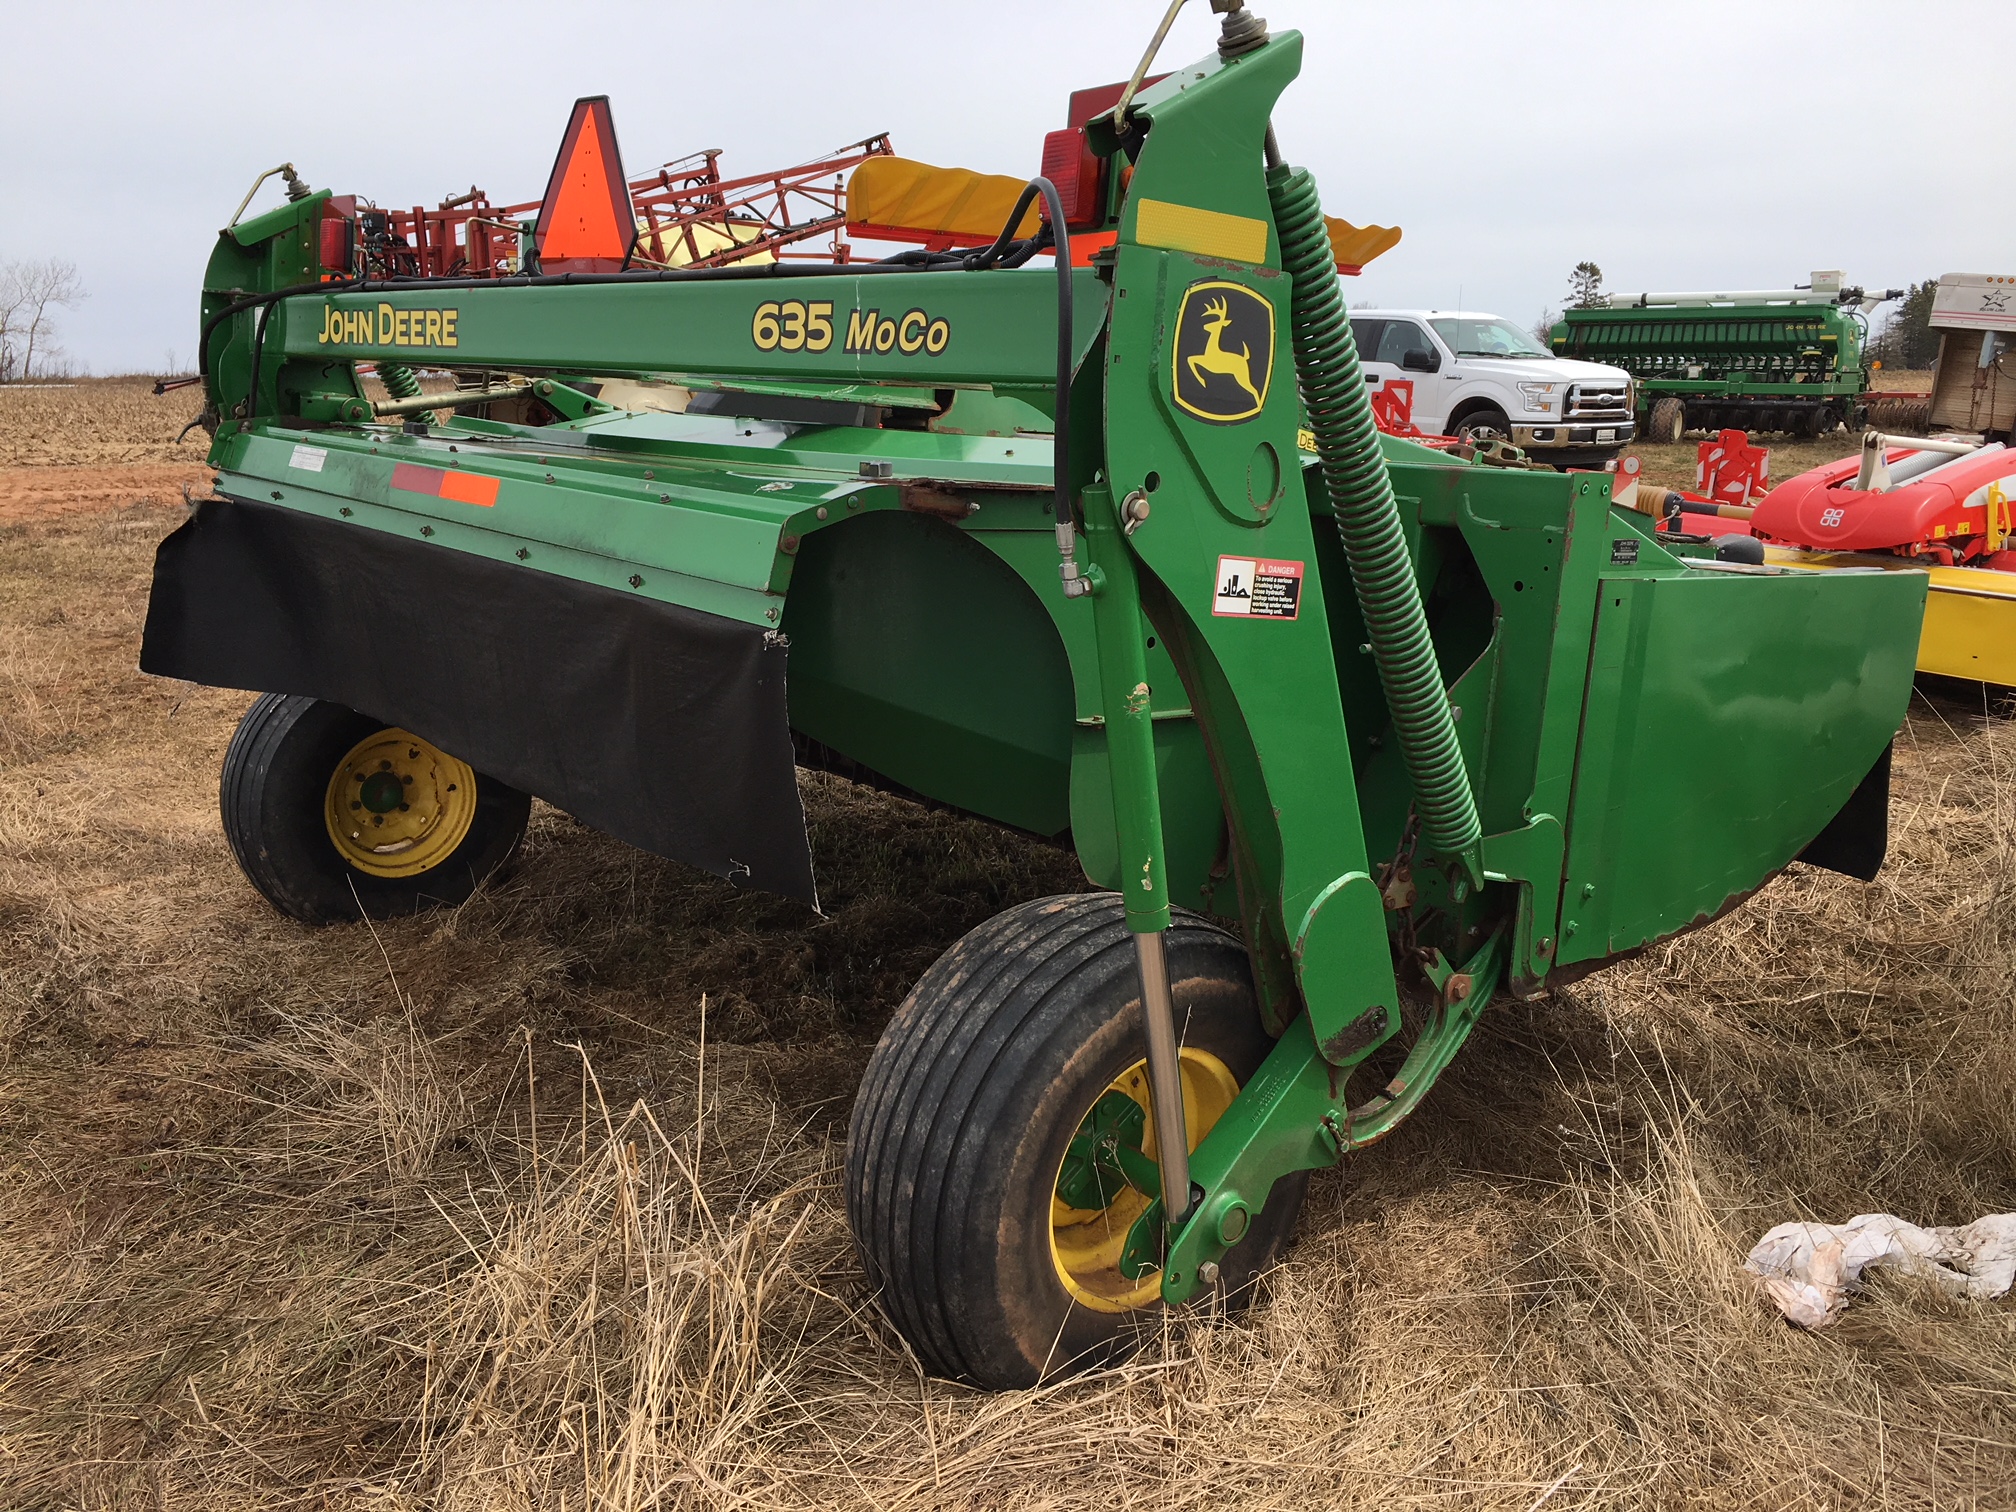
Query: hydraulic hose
x=1053, y=206
x=1353, y=474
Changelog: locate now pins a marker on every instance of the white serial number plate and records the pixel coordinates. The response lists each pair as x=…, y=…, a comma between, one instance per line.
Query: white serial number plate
x=1606, y=435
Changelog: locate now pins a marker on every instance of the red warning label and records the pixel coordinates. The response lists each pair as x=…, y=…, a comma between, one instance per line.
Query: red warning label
x=1257, y=588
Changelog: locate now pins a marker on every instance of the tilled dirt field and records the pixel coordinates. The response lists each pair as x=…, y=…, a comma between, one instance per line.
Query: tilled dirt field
x=535, y=1204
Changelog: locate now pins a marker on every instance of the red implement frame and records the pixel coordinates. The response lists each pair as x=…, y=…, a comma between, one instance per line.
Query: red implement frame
x=1729, y=470
x=678, y=204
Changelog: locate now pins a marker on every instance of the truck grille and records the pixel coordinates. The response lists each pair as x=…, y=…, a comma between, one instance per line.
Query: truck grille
x=1587, y=401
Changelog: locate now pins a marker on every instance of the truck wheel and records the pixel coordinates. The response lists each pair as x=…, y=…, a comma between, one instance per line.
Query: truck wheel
x=334, y=815
x=986, y=1220
x=1667, y=422
x=1486, y=424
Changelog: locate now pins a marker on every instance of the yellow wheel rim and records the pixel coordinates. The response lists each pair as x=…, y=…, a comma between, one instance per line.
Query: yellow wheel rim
x=398, y=806
x=1085, y=1243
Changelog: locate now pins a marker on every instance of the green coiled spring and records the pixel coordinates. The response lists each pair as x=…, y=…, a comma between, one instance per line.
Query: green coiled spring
x=1354, y=476
x=400, y=381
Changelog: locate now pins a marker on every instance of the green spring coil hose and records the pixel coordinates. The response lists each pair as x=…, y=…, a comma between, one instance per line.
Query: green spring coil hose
x=1354, y=476
x=400, y=380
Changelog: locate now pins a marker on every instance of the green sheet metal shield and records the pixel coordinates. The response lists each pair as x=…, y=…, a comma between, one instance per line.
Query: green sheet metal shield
x=1224, y=351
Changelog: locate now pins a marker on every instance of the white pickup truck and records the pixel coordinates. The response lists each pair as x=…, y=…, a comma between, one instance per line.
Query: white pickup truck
x=1480, y=376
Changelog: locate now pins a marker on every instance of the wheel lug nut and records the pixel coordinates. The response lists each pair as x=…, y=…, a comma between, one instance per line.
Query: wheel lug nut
x=355, y=804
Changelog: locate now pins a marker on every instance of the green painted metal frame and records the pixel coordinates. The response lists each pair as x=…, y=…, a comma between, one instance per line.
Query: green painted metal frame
x=1242, y=764
x=1649, y=343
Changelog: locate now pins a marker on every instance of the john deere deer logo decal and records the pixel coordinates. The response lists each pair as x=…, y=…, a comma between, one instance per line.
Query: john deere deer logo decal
x=1224, y=352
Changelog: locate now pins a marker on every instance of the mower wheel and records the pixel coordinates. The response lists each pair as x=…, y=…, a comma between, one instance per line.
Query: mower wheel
x=334, y=815
x=986, y=1198
x=1486, y=424
x=1667, y=421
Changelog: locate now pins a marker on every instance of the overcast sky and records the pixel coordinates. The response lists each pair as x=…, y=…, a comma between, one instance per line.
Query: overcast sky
x=1678, y=146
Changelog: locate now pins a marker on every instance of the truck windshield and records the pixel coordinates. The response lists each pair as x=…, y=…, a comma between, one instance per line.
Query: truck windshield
x=1487, y=338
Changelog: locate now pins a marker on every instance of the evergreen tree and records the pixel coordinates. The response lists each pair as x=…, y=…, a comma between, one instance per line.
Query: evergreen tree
x=1907, y=339
x=1585, y=287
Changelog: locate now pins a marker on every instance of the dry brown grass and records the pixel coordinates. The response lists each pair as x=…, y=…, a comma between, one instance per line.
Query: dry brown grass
x=535, y=1205
x=1900, y=380
x=97, y=422
x=1673, y=466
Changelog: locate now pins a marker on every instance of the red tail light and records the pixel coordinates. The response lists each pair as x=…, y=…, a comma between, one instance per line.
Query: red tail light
x=339, y=241
x=1070, y=163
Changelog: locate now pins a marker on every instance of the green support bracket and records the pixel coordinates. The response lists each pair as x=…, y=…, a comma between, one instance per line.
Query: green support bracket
x=1294, y=1115
x=569, y=400
x=1533, y=858
x=1127, y=708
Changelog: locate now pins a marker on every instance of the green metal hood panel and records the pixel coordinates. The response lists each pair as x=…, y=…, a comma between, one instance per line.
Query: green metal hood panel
x=693, y=533
x=1705, y=768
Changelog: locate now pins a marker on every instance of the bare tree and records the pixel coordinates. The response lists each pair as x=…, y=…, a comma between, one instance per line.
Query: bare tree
x=1543, y=326
x=31, y=291
x=10, y=318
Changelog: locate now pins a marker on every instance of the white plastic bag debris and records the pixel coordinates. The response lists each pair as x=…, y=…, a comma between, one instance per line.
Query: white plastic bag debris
x=1808, y=1268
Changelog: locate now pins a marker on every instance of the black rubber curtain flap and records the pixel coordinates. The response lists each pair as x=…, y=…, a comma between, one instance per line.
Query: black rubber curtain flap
x=661, y=725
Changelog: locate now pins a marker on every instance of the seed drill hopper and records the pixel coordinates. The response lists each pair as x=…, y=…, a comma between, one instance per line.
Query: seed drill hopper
x=1759, y=359
x=1354, y=736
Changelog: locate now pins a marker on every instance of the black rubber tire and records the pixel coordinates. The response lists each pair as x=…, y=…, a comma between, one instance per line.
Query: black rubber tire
x=1486, y=423
x=1667, y=421
x=971, y=1097
x=275, y=779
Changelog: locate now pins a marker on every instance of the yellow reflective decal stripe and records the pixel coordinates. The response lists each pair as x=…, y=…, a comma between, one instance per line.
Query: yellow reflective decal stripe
x=1208, y=233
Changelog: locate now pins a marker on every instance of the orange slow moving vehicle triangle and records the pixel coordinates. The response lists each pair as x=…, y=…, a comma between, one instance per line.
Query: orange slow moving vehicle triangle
x=587, y=221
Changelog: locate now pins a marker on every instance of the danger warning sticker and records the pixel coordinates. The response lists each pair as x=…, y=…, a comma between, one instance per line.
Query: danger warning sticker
x=1257, y=588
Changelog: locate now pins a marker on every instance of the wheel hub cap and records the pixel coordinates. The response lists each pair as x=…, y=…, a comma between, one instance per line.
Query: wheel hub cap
x=1109, y=1176
x=397, y=806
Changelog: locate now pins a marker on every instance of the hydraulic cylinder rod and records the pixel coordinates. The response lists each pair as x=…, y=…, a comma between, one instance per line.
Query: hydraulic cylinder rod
x=460, y=399
x=1137, y=816
x=1165, y=1074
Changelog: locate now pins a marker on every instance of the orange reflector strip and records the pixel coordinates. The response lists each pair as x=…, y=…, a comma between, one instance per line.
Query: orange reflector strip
x=469, y=488
x=457, y=487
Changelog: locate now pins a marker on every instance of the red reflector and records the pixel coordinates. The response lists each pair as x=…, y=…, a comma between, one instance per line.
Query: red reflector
x=1070, y=164
x=421, y=480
